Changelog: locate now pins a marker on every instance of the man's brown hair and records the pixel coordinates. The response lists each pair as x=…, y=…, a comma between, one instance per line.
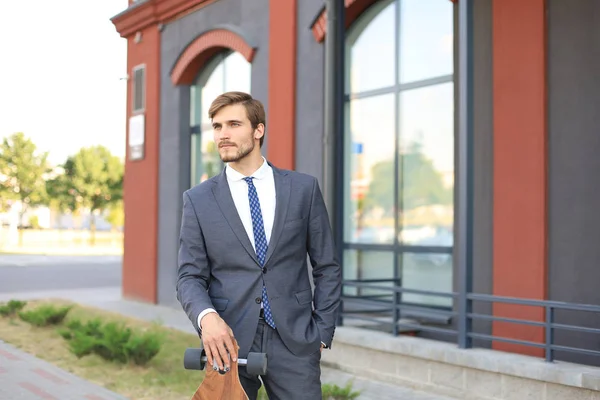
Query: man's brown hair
x=255, y=110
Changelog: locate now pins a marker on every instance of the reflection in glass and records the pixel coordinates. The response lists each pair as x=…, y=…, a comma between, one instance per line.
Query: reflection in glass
x=400, y=136
x=369, y=189
x=372, y=56
x=364, y=265
x=225, y=72
x=427, y=165
x=426, y=39
x=427, y=271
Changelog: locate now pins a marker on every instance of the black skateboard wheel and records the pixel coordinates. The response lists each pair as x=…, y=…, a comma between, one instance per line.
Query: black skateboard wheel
x=256, y=364
x=192, y=359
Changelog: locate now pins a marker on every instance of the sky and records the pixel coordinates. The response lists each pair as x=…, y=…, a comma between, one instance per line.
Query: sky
x=61, y=64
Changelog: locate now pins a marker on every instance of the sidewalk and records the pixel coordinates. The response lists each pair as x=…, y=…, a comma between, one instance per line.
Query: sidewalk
x=25, y=377
x=29, y=371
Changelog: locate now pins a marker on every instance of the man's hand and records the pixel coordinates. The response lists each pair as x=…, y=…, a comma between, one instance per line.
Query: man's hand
x=217, y=338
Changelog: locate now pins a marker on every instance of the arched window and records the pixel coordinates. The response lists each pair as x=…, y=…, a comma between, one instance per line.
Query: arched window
x=399, y=147
x=225, y=72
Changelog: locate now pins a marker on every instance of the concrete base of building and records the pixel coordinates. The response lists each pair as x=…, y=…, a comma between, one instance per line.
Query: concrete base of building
x=443, y=368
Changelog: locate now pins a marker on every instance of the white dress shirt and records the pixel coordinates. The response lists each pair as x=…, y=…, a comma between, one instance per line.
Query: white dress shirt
x=265, y=188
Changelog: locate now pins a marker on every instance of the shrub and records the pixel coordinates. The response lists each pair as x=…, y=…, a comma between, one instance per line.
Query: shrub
x=334, y=392
x=112, y=341
x=45, y=315
x=143, y=347
x=92, y=328
x=11, y=308
x=80, y=344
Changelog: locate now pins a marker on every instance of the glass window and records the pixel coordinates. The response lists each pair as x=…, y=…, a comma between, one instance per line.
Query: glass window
x=399, y=146
x=426, y=271
x=426, y=165
x=364, y=265
x=371, y=57
x=225, y=72
x=426, y=39
x=369, y=208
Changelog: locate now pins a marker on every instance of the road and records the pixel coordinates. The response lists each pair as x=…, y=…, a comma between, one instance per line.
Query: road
x=28, y=276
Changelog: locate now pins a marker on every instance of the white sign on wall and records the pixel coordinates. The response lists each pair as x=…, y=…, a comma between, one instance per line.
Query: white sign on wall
x=136, y=137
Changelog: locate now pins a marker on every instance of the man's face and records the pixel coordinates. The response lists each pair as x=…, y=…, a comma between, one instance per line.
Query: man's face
x=233, y=133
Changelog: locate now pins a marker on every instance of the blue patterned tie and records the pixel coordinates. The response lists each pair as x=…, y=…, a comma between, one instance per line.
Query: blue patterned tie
x=260, y=243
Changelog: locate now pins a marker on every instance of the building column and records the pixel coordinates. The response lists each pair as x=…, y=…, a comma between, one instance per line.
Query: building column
x=140, y=188
x=520, y=158
x=281, y=121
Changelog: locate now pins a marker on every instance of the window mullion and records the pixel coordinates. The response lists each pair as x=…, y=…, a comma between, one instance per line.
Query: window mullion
x=397, y=268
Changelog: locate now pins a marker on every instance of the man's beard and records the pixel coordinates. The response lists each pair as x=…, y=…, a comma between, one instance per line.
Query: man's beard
x=242, y=152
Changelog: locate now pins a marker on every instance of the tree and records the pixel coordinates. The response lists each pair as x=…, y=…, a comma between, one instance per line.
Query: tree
x=57, y=188
x=420, y=185
x=116, y=214
x=92, y=181
x=22, y=175
x=381, y=188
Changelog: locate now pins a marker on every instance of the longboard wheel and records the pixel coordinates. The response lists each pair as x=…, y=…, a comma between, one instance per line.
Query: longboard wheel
x=192, y=359
x=256, y=364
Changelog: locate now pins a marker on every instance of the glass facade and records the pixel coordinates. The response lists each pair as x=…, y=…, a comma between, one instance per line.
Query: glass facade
x=399, y=148
x=225, y=72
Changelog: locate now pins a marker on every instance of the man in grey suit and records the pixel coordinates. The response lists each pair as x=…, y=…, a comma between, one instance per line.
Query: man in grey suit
x=243, y=272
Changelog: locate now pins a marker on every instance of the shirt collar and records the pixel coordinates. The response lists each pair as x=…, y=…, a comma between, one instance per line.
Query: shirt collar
x=260, y=173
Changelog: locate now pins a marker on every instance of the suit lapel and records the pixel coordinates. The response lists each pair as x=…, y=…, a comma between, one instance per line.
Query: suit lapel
x=227, y=206
x=282, y=191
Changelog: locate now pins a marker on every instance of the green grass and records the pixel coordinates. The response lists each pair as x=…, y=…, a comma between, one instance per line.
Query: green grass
x=162, y=378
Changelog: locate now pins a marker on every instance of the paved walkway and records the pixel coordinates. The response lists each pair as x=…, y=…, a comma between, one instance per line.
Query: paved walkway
x=25, y=377
x=32, y=378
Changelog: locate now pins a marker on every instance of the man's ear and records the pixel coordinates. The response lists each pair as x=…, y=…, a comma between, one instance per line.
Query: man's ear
x=259, y=131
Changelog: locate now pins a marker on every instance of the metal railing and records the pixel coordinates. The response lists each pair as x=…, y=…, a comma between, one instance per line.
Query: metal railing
x=390, y=312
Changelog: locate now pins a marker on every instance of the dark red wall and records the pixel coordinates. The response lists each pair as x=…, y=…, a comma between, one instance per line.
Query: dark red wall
x=520, y=185
x=281, y=121
x=141, y=178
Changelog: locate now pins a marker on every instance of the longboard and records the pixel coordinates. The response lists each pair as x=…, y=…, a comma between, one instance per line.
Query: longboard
x=223, y=385
x=217, y=386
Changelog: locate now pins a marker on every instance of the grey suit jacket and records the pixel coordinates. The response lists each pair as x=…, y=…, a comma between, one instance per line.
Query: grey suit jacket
x=218, y=266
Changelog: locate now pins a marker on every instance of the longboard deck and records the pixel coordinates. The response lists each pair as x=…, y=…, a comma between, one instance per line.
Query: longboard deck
x=221, y=387
x=216, y=386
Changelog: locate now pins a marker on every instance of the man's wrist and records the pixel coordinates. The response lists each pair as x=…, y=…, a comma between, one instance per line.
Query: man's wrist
x=202, y=314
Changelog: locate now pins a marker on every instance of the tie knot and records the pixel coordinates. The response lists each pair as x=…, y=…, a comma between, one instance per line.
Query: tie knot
x=248, y=180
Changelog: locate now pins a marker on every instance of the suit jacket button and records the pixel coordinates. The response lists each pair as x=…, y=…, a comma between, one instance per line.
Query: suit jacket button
x=264, y=270
x=258, y=300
